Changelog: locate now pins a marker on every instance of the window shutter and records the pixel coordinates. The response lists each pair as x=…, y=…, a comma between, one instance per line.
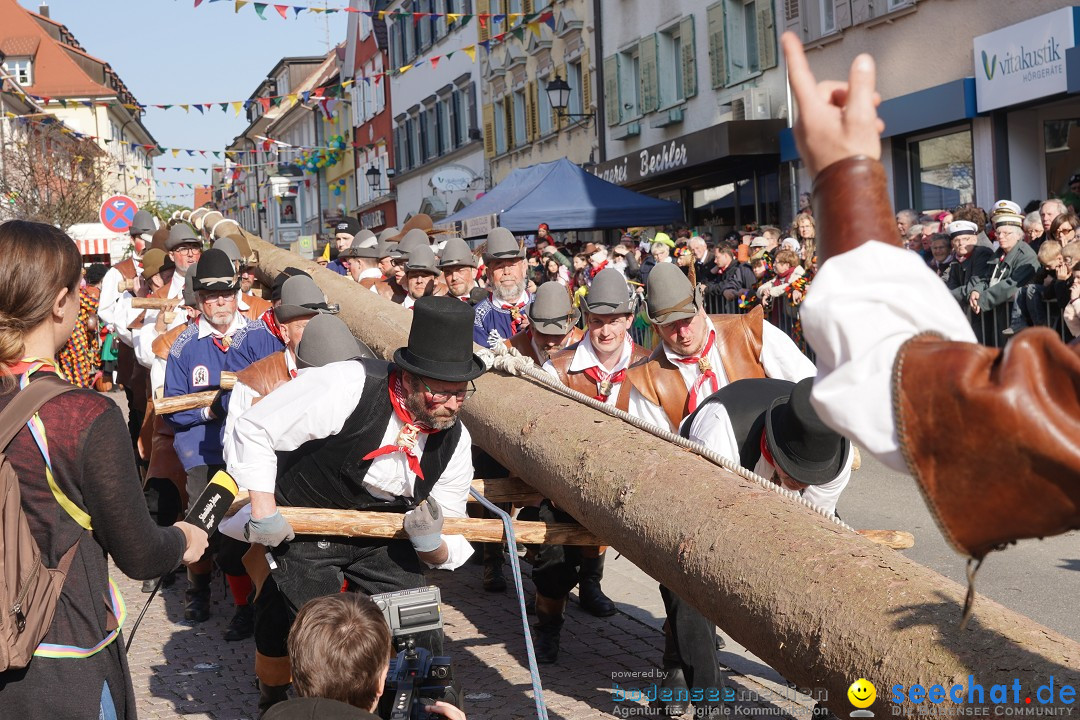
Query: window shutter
x=527, y=7
x=717, y=59
x=766, y=34
x=557, y=120
x=586, y=84
x=532, y=113
x=612, y=106
x=508, y=114
x=650, y=86
x=483, y=7
x=792, y=19
x=489, y=130
x=689, y=56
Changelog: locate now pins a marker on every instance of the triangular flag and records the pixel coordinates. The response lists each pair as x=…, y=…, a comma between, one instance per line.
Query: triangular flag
x=198, y=3
x=471, y=52
x=237, y=105
x=185, y=108
x=175, y=152
x=519, y=33
x=224, y=106
x=260, y=8
x=240, y=4
x=453, y=17
x=283, y=11
x=404, y=69
x=297, y=10
x=199, y=108
x=434, y=60
x=483, y=21
x=534, y=28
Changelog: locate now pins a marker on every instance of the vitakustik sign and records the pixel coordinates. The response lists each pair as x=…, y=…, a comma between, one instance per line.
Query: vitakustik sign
x=1025, y=61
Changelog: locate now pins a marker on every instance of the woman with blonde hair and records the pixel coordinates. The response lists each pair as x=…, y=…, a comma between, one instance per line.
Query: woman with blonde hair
x=80, y=489
x=805, y=231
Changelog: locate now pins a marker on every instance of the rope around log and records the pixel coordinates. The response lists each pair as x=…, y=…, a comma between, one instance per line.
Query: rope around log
x=508, y=360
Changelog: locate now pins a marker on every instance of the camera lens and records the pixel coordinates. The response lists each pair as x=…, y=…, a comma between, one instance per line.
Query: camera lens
x=439, y=672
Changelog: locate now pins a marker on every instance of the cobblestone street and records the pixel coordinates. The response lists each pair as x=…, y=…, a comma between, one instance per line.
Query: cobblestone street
x=182, y=671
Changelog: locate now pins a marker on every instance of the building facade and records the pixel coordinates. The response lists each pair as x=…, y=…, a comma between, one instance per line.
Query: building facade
x=438, y=149
x=365, y=61
x=690, y=107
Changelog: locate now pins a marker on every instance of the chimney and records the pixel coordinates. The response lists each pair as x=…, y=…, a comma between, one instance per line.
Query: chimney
x=43, y=10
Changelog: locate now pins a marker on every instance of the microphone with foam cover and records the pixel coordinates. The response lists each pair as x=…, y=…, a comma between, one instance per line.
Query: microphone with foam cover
x=209, y=510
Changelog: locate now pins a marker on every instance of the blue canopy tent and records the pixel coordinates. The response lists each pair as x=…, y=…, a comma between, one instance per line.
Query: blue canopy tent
x=565, y=197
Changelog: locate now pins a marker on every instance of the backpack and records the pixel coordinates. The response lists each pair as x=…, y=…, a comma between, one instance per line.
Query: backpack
x=28, y=590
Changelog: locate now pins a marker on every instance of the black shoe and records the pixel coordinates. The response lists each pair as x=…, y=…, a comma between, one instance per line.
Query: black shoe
x=493, y=576
x=549, y=622
x=197, y=598
x=242, y=625
x=590, y=596
x=270, y=695
x=149, y=585
x=676, y=681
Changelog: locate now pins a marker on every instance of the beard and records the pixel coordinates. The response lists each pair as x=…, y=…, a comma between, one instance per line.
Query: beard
x=440, y=419
x=508, y=294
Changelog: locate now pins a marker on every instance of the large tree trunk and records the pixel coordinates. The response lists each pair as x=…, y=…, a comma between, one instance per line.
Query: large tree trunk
x=820, y=604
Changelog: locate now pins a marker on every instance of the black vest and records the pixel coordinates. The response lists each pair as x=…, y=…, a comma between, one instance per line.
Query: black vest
x=329, y=472
x=746, y=402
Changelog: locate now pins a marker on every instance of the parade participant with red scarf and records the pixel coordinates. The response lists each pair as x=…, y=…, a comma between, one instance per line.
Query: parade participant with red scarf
x=508, y=295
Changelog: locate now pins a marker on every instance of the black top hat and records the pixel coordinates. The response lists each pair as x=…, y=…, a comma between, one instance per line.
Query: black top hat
x=441, y=341
x=801, y=444
x=215, y=272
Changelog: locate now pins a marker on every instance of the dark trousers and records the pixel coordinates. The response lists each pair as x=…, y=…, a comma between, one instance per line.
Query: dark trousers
x=227, y=551
x=311, y=567
x=693, y=642
x=555, y=567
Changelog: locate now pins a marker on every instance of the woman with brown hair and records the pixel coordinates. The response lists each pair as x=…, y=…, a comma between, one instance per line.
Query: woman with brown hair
x=80, y=489
x=805, y=231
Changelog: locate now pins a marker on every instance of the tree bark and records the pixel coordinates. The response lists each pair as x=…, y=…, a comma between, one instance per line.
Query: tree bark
x=821, y=605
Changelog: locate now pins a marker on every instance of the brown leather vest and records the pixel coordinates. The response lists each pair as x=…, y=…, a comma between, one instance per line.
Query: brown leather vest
x=584, y=384
x=265, y=375
x=522, y=342
x=256, y=307
x=164, y=342
x=738, y=340
x=127, y=269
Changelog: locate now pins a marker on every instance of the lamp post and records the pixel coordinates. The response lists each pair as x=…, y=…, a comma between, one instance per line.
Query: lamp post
x=558, y=92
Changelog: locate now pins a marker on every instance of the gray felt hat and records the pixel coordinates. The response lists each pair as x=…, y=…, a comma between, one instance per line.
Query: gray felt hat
x=228, y=246
x=181, y=234
x=422, y=259
x=327, y=339
x=388, y=233
x=608, y=294
x=455, y=253
x=502, y=245
x=412, y=240
x=669, y=295
x=142, y=224
x=551, y=311
x=300, y=296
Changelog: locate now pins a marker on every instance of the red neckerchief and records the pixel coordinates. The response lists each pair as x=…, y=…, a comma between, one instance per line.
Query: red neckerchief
x=410, y=432
x=270, y=320
x=604, y=381
x=782, y=277
x=518, y=320
x=22, y=366
x=702, y=360
x=223, y=344
x=593, y=272
x=765, y=453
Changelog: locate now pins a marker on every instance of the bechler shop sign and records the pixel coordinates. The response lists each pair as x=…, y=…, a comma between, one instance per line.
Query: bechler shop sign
x=1025, y=61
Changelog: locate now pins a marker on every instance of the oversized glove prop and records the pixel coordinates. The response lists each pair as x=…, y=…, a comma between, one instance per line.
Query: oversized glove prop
x=270, y=531
x=423, y=525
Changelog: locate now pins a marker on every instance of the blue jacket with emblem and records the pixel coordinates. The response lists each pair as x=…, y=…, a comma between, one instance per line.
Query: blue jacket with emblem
x=490, y=316
x=250, y=344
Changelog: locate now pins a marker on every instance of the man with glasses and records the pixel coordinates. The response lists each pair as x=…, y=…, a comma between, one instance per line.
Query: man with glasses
x=387, y=440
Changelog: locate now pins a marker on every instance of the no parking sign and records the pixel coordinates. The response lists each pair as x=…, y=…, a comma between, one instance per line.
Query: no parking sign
x=118, y=212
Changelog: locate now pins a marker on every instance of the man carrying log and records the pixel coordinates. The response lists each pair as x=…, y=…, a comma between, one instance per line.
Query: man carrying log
x=324, y=339
x=698, y=355
x=387, y=439
x=552, y=324
x=195, y=364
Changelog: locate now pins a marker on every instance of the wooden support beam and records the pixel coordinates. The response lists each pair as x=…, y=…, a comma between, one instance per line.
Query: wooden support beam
x=152, y=303
x=507, y=490
x=192, y=401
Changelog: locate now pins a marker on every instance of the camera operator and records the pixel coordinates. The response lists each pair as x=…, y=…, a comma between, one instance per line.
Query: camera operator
x=340, y=650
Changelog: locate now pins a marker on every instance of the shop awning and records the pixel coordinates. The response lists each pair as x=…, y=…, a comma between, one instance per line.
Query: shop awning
x=92, y=246
x=565, y=197
x=95, y=238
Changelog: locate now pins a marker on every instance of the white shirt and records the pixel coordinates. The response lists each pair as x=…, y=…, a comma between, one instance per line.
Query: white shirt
x=144, y=337
x=780, y=357
x=303, y=410
x=712, y=428
x=408, y=302
x=114, y=306
x=242, y=398
x=856, y=319
x=585, y=358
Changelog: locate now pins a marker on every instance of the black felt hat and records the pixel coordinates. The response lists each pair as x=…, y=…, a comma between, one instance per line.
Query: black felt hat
x=802, y=445
x=279, y=281
x=441, y=341
x=215, y=271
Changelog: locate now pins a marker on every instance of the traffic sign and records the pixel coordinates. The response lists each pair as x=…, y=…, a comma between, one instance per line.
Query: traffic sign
x=118, y=212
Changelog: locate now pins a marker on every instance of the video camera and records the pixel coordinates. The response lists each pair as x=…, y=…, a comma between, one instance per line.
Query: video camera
x=416, y=677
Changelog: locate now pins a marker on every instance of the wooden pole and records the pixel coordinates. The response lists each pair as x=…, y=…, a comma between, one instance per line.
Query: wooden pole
x=153, y=303
x=821, y=605
x=193, y=401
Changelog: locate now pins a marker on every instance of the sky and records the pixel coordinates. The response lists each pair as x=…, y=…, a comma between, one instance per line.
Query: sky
x=170, y=52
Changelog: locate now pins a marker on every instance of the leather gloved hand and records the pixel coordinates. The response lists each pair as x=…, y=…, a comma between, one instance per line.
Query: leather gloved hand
x=270, y=531
x=423, y=525
x=217, y=408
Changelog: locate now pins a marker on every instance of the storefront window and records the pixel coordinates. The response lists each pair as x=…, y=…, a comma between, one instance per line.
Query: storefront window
x=1062, y=141
x=943, y=171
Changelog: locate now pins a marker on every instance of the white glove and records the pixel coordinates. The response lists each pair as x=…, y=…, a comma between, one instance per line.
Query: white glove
x=423, y=525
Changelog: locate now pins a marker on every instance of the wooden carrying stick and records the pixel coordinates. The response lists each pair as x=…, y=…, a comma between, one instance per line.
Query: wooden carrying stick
x=193, y=401
x=153, y=303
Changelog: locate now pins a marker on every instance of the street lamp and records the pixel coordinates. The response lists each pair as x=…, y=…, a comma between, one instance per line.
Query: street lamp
x=374, y=178
x=558, y=92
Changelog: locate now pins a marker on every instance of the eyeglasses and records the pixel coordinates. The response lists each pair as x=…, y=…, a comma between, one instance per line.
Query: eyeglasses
x=444, y=397
x=188, y=250
x=1065, y=230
